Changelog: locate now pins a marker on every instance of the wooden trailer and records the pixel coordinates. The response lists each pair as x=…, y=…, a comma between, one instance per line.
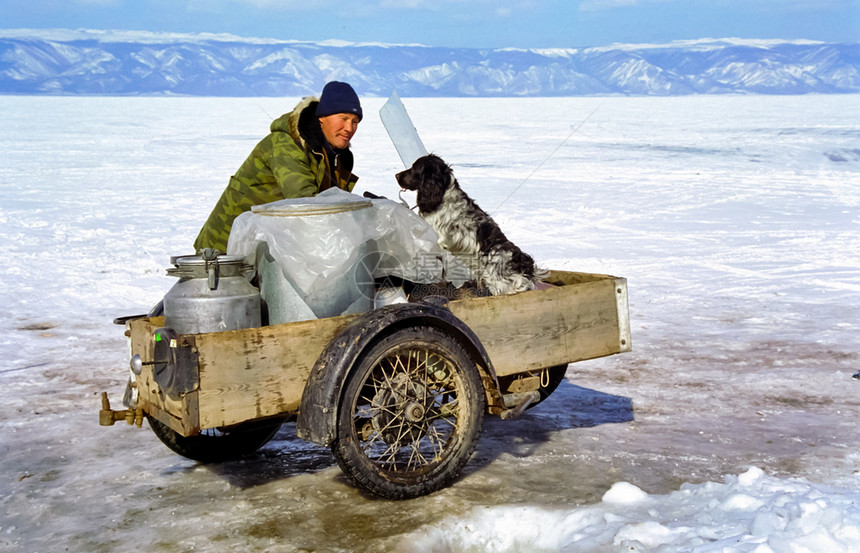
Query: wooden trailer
x=398, y=393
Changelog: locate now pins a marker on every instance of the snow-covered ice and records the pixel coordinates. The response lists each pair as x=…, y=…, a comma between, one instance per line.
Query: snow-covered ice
x=751, y=512
x=731, y=427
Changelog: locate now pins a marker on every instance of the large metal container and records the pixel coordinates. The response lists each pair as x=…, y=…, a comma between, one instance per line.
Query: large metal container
x=212, y=295
x=315, y=256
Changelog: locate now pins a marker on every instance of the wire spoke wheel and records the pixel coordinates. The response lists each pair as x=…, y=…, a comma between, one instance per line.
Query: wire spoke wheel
x=411, y=414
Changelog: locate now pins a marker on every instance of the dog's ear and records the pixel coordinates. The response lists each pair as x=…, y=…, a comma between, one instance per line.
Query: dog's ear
x=435, y=177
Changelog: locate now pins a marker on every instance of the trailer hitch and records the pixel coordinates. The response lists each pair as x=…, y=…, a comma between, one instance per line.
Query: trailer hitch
x=107, y=416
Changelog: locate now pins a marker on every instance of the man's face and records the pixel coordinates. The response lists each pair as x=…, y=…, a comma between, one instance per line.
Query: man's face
x=339, y=128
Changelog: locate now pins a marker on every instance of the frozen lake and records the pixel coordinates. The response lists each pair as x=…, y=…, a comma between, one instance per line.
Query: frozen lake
x=735, y=219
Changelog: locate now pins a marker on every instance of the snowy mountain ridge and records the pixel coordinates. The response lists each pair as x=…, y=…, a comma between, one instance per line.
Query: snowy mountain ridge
x=87, y=62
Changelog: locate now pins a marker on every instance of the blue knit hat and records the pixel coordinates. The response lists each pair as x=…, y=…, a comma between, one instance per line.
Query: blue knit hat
x=338, y=97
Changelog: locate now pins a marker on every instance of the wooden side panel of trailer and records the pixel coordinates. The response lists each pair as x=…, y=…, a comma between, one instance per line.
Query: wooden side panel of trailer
x=180, y=414
x=583, y=318
x=258, y=372
x=243, y=374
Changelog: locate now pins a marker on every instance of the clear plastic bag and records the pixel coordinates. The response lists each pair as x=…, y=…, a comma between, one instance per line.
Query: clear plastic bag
x=330, y=248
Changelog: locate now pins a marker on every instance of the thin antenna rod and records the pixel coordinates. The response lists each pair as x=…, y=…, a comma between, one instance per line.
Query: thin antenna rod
x=264, y=111
x=552, y=153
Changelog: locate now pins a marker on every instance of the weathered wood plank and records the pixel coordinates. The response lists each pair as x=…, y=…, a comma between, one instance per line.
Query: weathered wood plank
x=542, y=328
x=179, y=414
x=258, y=372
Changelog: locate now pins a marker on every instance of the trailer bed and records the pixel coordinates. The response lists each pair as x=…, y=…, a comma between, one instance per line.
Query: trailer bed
x=261, y=372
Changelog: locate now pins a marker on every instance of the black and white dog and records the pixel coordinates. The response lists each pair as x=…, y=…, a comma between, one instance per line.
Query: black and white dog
x=465, y=228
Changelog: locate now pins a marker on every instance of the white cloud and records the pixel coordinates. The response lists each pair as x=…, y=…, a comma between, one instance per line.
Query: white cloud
x=598, y=5
x=407, y=4
x=500, y=8
x=99, y=3
x=504, y=8
x=273, y=5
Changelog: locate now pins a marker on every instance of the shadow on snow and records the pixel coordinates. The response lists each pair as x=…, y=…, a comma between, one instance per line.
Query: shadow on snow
x=569, y=407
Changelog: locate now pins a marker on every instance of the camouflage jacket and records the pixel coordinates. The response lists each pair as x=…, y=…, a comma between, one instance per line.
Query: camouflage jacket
x=293, y=161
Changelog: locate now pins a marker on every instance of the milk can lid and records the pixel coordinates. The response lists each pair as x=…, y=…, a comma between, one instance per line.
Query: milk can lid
x=195, y=266
x=194, y=260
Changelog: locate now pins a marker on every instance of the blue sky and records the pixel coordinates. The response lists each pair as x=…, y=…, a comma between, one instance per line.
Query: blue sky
x=456, y=23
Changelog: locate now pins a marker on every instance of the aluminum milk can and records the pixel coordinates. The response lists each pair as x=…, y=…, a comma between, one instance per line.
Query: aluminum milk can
x=212, y=295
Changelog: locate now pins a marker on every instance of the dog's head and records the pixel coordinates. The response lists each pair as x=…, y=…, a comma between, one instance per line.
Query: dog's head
x=429, y=176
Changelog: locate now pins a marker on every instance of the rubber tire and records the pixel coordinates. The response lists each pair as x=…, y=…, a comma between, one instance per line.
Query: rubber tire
x=405, y=483
x=556, y=376
x=229, y=443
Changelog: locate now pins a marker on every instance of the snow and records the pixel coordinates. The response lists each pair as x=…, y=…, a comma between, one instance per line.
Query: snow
x=751, y=512
x=706, y=44
x=731, y=427
x=155, y=37
x=108, y=62
x=117, y=35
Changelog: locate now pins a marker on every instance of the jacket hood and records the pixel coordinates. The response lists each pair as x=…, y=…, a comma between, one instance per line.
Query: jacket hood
x=297, y=123
x=302, y=124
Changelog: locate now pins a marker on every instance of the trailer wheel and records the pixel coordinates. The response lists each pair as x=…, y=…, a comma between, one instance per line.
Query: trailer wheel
x=218, y=444
x=411, y=414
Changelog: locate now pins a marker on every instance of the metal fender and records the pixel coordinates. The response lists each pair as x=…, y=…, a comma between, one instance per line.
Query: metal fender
x=317, y=418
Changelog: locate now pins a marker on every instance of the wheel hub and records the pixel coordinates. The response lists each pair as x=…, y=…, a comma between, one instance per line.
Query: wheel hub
x=414, y=412
x=399, y=410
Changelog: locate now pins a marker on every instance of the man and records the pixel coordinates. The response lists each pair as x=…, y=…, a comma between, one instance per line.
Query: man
x=306, y=152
